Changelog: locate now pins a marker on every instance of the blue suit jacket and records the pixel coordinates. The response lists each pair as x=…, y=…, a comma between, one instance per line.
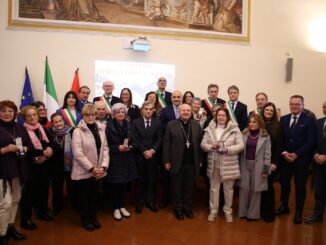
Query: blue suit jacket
x=304, y=138
x=167, y=114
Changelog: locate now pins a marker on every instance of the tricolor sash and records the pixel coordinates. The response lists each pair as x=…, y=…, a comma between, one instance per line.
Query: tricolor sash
x=208, y=101
x=161, y=100
x=228, y=106
x=107, y=103
x=257, y=111
x=69, y=118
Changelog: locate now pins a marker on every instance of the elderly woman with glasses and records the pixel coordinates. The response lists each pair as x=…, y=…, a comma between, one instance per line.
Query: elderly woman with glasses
x=122, y=167
x=36, y=189
x=91, y=158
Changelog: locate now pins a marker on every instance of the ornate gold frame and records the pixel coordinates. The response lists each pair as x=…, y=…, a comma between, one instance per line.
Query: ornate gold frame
x=16, y=22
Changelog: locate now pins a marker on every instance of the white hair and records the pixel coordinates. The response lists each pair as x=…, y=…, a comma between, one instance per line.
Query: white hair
x=117, y=107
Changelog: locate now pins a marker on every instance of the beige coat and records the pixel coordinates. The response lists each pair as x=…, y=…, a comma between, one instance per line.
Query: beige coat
x=232, y=138
x=85, y=152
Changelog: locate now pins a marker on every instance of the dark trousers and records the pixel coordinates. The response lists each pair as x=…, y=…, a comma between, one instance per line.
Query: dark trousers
x=267, y=205
x=57, y=180
x=118, y=193
x=182, y=185
x=86, y=190
x=300, y=172
x=166, y=182
x=35, y=191
x=320, y=189
x=71, y=189
x=146, y=181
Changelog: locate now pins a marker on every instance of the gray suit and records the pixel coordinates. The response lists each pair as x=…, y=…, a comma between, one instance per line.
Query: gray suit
x=184, y=167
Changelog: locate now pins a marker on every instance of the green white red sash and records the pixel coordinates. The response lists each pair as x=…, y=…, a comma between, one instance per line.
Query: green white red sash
x=257, y=111
x=161, y=100
x=69, y=118
x=107, y=103
x=228, y=106
x=209, y=102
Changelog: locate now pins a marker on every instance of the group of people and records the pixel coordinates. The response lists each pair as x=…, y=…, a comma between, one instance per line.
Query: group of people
x=113, y=142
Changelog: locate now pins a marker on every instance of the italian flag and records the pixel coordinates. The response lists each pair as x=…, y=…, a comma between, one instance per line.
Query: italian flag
x=49, y=95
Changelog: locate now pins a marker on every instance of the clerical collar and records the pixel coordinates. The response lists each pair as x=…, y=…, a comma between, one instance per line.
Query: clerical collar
x=183, y=122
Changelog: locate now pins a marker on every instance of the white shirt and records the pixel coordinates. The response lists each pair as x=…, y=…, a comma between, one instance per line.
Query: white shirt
x=145, y=121
x=235, y=104
x=292, y=118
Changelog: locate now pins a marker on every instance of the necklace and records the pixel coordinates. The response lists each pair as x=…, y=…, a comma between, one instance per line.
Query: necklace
x=186, y=135
x=59, y=141
x=254, y=137
x=13, y=137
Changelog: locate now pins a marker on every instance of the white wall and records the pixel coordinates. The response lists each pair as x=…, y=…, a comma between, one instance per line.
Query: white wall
x=277, y=27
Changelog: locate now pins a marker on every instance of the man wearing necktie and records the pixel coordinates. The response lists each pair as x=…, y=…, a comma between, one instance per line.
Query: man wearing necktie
x=148, y=133
x=168, y=114
x=298, y=141
x=212, y=91
x=108, y=88
x=84, y=92
x=161, y=86
x=319, y=172
x=240, y=109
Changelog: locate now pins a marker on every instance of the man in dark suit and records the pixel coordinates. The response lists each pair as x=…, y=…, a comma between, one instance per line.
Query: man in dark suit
x=171, y=112
x=163, y=95
x=238, y=110
x=212, y=102
x=182, y=157
x=107, y=97
x=84, y=92
x=148, y=133
x=319, y=172
x=298, y=141
x=168, y=114
x=261, y=100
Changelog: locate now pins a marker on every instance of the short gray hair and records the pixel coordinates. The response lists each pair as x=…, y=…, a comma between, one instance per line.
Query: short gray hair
x=117, y=107
x=147, y=103
x=195, y=99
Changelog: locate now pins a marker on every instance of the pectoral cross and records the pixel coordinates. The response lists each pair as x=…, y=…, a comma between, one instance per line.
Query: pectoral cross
x=188, y=144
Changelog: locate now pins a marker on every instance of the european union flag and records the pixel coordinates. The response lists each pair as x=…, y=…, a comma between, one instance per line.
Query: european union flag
x=27, y=96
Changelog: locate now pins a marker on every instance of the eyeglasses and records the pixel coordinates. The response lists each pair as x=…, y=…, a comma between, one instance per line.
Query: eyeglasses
x=295, y=104
x=43, y=109
x=162, y=81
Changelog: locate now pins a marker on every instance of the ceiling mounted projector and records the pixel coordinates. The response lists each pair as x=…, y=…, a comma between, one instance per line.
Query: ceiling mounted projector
x=138, y=44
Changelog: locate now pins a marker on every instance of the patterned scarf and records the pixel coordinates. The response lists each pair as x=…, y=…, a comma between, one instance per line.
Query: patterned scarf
x=67, y=151
x=35, y=140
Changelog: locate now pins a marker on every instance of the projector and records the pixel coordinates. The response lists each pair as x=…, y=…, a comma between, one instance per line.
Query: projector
x=138, y=44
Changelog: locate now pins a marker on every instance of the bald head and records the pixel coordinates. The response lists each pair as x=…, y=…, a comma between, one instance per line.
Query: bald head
x=108, y=87
x=100, y=108
x=161, y=84
x=185, y=112
x=176, y=97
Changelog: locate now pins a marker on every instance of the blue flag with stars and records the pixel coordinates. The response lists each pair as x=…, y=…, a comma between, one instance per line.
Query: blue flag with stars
x=27, y=96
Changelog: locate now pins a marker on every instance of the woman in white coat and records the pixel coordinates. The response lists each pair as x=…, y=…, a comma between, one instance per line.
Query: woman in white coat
x=91, y=160
x=223, y=142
